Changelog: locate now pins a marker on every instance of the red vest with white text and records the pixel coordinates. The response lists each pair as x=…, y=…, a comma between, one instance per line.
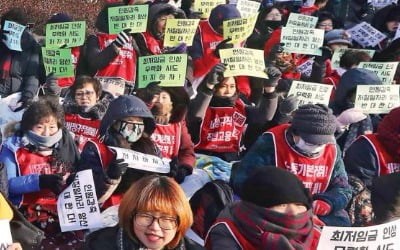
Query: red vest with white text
x=153, y=45
x=168, y=139
x=83, y=128
x=386, y=163
x=123, y=65
x=222, y=128
x=314, y=172
x=66, y=82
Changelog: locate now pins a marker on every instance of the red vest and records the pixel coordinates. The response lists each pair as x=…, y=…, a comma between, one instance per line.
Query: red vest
x=168, y=139
x=123, y=65
x=222, y=128
x=315, y=173
x=308, y=10
x=153, y=45
x=386, y=162
x=83, y=128
x=68, y=81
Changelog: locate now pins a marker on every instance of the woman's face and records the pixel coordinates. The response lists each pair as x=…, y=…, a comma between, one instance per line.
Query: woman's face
x=392, y=25
x=227, y=88
x=162, y=22
x=274, y=15
x=47, y=126
x=86, y=96
x=290, y=208
x=154, y=229
x=326, y=25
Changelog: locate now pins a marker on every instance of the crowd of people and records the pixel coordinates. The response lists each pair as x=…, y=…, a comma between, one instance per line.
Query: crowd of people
x=292, y=169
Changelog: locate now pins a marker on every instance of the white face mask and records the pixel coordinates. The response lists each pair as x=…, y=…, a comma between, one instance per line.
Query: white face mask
x=308, y=147
x=131, y=131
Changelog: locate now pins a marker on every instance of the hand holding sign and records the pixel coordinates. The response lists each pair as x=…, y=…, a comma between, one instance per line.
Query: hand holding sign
x=216, y=73
x=274, y=74
x=223, y=45
x=117, y=168
x=122, y=38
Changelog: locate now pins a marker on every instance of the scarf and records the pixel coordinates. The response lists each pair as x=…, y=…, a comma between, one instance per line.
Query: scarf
x=223, y=101
x=267, y=229
x=43, y=142
x=5, y=62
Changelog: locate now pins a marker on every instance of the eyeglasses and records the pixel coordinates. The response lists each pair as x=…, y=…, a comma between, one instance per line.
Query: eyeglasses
x=323, y=25
x=131, y=126
x=145, y=220
x=84, y=93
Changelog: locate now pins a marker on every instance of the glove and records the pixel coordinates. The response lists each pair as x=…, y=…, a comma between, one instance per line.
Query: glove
x=321, y=207
x=288, y=105
x=51, y=181
x=51, y=85
x=179, y=49
x=271, y=58
x=350, y=116
x=117, y=168
x=274, y=74
x=122, y=38
x=326, y=54
x=22, y=104
x=223, y=45
x=179, y=171
x=216, y=73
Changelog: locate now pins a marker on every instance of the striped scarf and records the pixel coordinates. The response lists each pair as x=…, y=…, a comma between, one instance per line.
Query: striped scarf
x=268, y=229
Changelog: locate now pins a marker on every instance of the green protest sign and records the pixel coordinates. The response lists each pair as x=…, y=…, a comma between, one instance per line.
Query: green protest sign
x=384, y=70
x=302, y=40
x=377, y=99
x=169, y=69
x=58, y=61
x=340, y=51
x=70, y=34
x=239, y=29
x=180, y=31
x=132, y=17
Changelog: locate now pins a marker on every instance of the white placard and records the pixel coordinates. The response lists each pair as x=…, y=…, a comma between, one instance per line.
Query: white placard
x=380, y=237
x=302, y=40
x=77, y=205
x=302, y=21
x=384, y=70
x=306, y=67
x=366, y=35
x=142, y=161
x=335, y=61
x=5, y=233
x=247, y=8
x=381, y=3
x=310, y=92
x=377, y=99
x=13, y=32
x=397, y=35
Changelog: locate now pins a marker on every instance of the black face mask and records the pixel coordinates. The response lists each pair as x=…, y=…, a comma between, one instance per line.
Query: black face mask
x=272, y=24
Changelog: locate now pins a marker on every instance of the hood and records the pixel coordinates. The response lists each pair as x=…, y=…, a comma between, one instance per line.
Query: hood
x=158, y=9
x=125, y=106
x=222, y=13
x=386, y=14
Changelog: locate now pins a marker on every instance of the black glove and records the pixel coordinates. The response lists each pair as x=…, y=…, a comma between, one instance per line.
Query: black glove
x=326, y=54
x=179, y=171
x=216, y=73
x=122, y=38
x=223, y=45
x=271, y=57
x=23, y=103
x=117, y=168
x=51, y=181
x=274, y=74
x=288, y=105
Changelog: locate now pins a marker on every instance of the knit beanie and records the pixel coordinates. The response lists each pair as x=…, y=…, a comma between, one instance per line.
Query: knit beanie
x=314, y=123
x=221, y=13
x=270, y=186
x=59, y=18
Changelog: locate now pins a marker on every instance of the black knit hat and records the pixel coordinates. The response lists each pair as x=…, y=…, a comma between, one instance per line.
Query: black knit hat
x=270, y=186
x=314, y=123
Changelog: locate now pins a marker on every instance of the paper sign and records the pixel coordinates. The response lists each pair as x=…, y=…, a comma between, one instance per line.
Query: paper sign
x=132, y=17
x=113, y=85
x=180, y=31
x=13, y=33
x=397, y=35
x=5, y=233
x=205, y=6
x=58, y=61
x=306, y=67
x=302, y=40
x=247, y=7
x=239, y=29
x=77, y=205
x=71, y=34
x=384, y=70
x=377, y=99
x=169, y=69
x=243, y=61
x=380, y=237
x=382, y=3
x=303, y=21
x=335, y=61
x=366, y=35
x=309, y=92
x=142, y=161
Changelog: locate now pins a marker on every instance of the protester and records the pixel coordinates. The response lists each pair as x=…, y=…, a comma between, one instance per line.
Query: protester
x=387, y=20
x=154, y=214
x=281, y=218
x=325, y=21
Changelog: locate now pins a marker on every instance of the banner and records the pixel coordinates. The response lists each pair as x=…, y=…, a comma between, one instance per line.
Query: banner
x=243, y=61
x=205, y=6
x=309, y=92
x=247, y=7
x=132, y=17
x=366, y=35
x=306, y=67
x=113, y=85
x=303, y=21
x=13, y=32
x=169, y=69
x=335, y=61
x=239, y=29
x=380, y=237
x=302, y=40
x=5, y=233
x=384, y=70
x=77, y=205
x=377, y=99
x=142, y=161
x=180, y=31
x=58, y=61
x=68, y=34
